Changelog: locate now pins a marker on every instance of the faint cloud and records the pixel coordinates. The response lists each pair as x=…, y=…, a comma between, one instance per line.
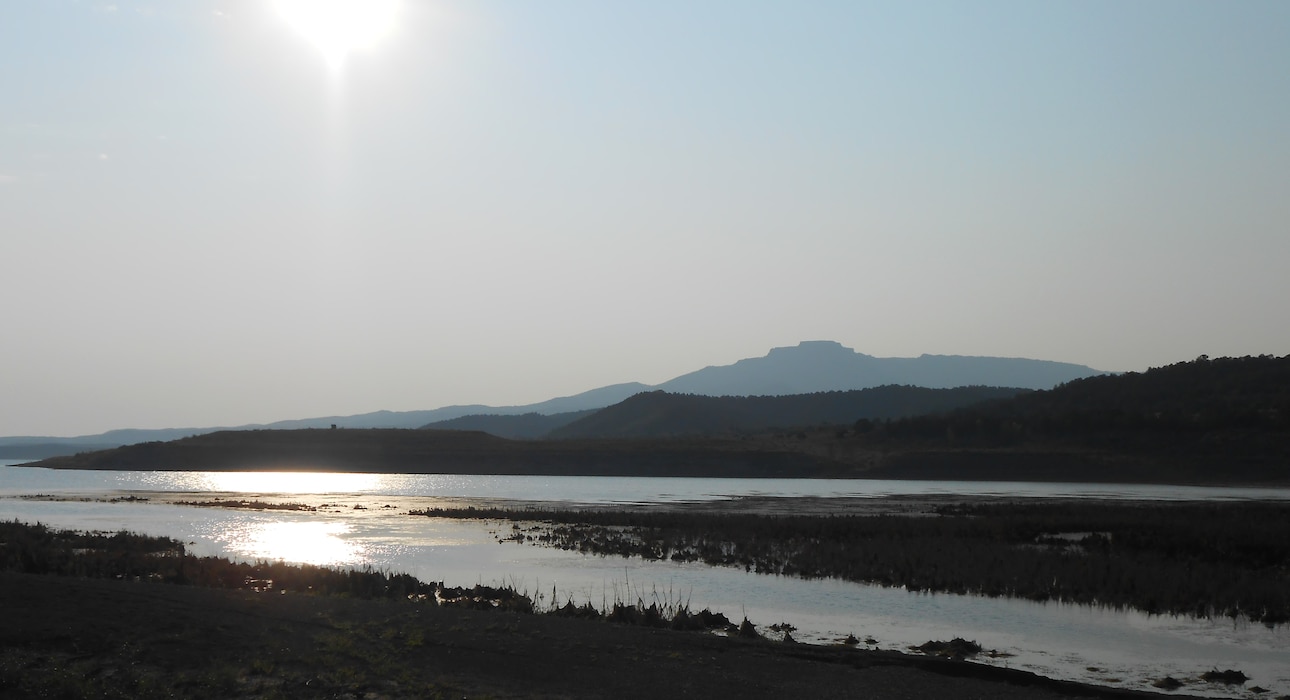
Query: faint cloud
x=103, y=156
x=7, y=179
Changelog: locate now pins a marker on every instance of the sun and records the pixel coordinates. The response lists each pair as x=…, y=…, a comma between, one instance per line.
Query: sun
x=337, y=27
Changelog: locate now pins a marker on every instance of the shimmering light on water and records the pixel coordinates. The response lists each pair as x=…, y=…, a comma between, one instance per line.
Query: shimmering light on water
x=286, y=483
x=320, y=543
x=606, y=490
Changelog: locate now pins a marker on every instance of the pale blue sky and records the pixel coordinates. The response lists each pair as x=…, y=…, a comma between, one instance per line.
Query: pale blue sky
x=204, y=222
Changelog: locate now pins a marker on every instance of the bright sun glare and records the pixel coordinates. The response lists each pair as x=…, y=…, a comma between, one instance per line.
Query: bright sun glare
x=316, y=543
x=289, y=482
x=337, y=27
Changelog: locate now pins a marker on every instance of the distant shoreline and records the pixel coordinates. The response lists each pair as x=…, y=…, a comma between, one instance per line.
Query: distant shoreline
x=818, y=455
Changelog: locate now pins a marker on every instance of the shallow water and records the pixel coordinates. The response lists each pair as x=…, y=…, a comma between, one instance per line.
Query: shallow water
x=1065, y=641
x=604, y=489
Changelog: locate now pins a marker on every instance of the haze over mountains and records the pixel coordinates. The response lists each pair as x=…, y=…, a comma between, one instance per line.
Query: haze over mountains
x=1224, y=421
x=812, y=366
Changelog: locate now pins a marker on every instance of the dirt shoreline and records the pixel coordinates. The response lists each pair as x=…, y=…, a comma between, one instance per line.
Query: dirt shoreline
x=81, y=637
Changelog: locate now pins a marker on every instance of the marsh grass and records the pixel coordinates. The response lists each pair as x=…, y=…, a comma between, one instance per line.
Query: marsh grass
x=131, y=636
x=37, y=549
x=1197, y=559
x=248, y=505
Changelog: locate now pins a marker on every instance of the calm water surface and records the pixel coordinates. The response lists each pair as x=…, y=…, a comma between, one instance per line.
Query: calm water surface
x=1066, y=641
x=606, y=490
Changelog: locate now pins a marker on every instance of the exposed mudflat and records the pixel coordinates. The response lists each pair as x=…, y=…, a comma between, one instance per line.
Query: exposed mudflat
x=916, y=505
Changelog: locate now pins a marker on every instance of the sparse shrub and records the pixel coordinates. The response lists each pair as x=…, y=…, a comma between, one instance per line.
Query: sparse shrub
x=1230, y=677
x=957, y=648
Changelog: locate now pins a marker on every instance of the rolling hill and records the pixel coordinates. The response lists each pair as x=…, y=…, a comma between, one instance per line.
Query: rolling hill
x=524, y=426
x=452, y=452
x=660, y=414
x=1207, y=421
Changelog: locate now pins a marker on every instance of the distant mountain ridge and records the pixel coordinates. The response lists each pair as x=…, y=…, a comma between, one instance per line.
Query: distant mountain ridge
x=35, y=447
x=1224, y=421
x=660, y=414
x=809, y=367
x=525, y=426
x=812, y=367
x=825, y=365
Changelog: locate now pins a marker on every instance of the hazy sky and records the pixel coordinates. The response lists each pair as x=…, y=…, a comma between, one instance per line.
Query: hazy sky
x=210, y=215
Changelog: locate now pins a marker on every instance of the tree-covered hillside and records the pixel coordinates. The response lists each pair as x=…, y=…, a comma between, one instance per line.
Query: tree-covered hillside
x=1205, y=421
x=525, y=426
x=660, y=414
x=1249, y=394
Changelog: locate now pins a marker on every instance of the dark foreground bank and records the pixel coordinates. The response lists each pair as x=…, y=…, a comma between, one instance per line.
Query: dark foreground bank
x=77, y=637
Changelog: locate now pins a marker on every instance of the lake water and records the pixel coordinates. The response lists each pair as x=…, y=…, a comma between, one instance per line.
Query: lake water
x=1124, y=649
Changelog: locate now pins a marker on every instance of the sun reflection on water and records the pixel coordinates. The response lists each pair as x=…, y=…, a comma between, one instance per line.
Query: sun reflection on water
x=289, y=482
x=319, y=543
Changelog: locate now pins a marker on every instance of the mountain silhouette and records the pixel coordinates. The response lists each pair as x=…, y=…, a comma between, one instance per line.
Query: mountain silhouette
x=824, y=365
x=525, y=426
x=812, y=367
x=660, y=414
x=809, y=367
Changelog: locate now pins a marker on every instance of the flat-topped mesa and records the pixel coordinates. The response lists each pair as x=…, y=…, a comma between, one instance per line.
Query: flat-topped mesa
x=826, y=365
x=816, y=347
